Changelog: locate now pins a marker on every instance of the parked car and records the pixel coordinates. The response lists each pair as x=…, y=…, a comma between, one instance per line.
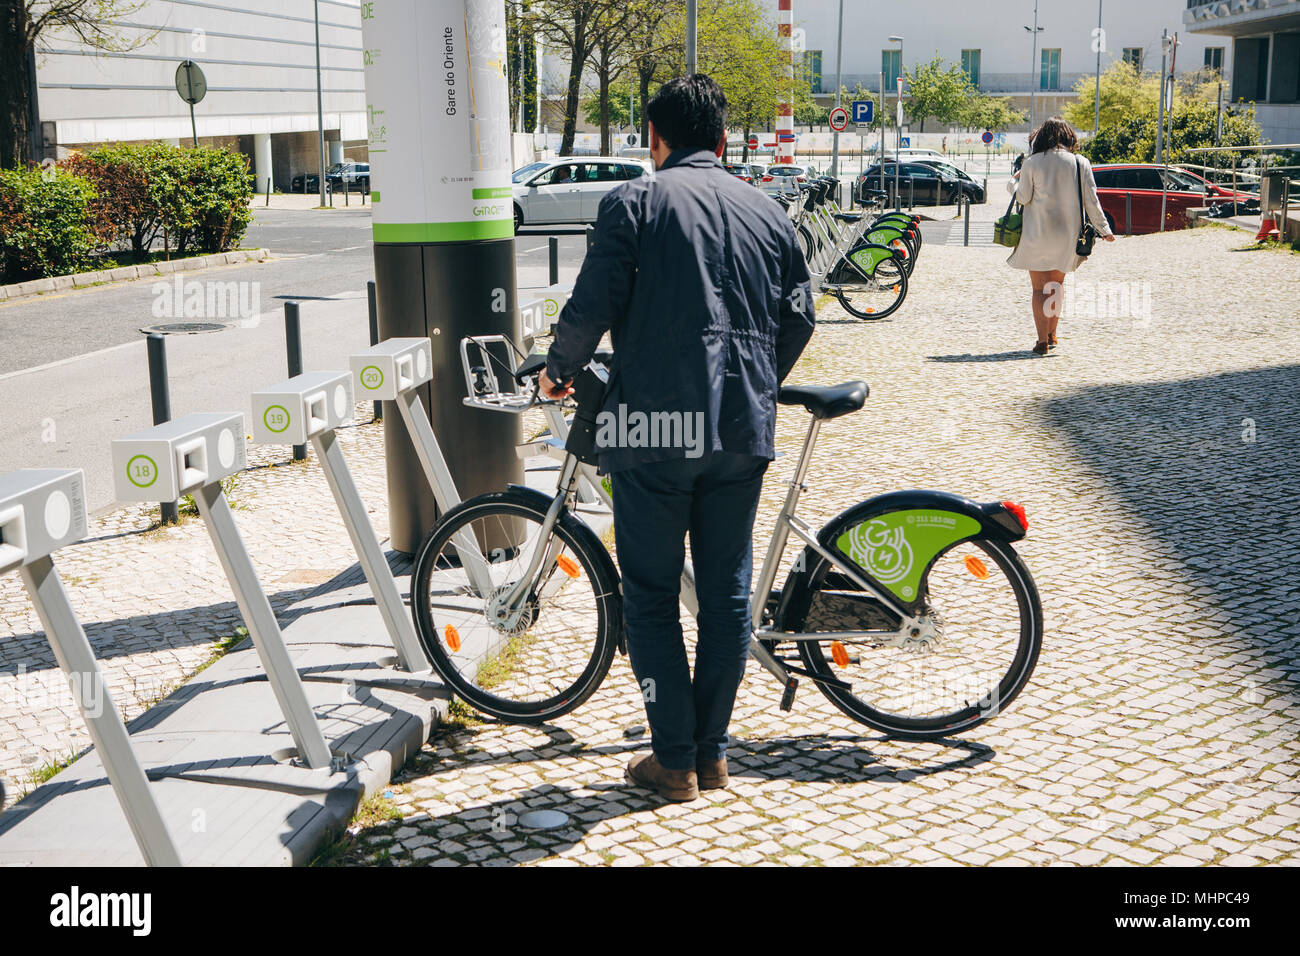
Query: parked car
x=920, y=184
x=569, y=189
x=783, y=178
x=305, y=183
x=354, y=177
x=1137, y=189
x=749, y=172
x=973, y=189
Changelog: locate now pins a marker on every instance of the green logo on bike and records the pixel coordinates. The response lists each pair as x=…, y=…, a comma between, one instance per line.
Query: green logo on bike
x=897, y=547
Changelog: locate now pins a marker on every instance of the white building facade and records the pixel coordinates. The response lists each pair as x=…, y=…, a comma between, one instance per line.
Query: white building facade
x=259, y=59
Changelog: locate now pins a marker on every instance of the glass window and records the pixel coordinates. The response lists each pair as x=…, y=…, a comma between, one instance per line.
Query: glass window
x=524, y=172
x=1214, y=57
x=891, y=64
x=970, y=63
x=1105, y=178
x=1050, y=72
x=1133, y=57
x=561, y=174
x=1138, y=178
x=812, y=61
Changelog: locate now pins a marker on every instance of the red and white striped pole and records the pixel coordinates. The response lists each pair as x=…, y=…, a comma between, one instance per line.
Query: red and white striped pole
x=785, y=105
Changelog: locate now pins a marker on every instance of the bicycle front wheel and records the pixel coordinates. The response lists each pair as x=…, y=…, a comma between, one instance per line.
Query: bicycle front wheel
x=981, y=631
x=874, y=295
x=540, y=656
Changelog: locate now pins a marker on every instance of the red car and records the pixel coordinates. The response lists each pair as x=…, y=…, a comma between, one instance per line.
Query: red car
x=1135, y=189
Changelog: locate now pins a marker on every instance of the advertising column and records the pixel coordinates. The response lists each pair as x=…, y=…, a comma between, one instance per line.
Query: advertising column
x=443, y=218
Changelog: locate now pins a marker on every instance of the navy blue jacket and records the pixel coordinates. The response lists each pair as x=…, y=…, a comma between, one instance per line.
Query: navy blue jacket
x=700, y=281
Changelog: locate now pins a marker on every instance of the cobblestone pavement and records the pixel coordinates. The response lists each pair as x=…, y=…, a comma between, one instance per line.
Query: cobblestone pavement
x=1155, y=456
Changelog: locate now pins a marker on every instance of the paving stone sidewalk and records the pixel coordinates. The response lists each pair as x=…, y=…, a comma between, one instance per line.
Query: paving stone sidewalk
x=1155, y=455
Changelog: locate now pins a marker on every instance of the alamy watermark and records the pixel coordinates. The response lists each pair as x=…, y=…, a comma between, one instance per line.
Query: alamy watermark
x=181, y=299
x=622, y=428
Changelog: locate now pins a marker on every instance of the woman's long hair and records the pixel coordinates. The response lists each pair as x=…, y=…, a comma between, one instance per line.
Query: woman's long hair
x=1053, y=133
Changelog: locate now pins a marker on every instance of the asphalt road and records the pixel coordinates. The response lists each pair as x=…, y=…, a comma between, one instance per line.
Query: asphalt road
x=73, y=369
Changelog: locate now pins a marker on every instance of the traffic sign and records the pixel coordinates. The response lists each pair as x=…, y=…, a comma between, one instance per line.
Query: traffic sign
x=752, y=143
x=785, y=137
x=987, y=137
x=191, y=84
x=906, y=142
x=839, y=119
x=864, y=111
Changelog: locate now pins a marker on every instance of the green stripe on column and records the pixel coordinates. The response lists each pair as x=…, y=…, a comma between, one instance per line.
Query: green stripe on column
x=444, y=231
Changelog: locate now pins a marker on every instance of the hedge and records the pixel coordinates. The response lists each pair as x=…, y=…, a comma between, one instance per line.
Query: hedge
x=127, y=198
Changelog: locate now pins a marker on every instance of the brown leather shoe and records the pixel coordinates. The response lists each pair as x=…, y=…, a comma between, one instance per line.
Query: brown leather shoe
x=713, y=774
x=1040, y=348
x=679, y=786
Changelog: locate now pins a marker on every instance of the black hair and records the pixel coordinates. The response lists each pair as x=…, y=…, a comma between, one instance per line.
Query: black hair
x=689, y=112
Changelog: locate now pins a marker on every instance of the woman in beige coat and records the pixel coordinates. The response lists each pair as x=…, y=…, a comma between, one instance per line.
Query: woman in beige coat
x=1048, y=187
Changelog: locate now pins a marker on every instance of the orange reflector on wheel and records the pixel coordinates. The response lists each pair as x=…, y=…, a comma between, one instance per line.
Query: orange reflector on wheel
x=976, y=567
x=568, y=565
x=895, y=290
x=839, y=655
x=452, y=637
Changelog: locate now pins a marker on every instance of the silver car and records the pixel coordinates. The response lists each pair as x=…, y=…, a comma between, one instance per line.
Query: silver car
x=569, y=189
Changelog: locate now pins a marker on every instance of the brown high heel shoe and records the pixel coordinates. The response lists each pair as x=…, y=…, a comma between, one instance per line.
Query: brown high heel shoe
x=1040, y=348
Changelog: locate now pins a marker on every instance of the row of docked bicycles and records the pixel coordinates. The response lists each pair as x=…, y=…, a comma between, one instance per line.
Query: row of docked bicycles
x=863, y=258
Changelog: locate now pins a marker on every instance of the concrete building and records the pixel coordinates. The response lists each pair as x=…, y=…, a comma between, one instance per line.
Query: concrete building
x=994, y=42
x=1265, y=40
x=259, y=58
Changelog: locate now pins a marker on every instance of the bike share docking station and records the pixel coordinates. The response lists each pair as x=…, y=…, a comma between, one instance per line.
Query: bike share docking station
x=308, y=408
x=40, y=512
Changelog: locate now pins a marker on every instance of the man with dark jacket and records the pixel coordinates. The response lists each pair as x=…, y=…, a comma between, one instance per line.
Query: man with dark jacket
x=700, y=281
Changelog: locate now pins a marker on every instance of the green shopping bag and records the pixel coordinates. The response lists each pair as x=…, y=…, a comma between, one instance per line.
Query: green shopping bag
x=1006, y=231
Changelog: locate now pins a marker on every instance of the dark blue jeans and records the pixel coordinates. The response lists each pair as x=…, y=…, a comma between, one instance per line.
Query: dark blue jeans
x=656, y=506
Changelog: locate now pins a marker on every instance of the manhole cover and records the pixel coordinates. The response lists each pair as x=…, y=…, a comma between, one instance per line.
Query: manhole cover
x=543, y=819
x=184, y=328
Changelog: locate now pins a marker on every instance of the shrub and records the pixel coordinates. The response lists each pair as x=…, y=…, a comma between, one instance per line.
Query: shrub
x=194, y=199
x=48, y=224
x=125, y=178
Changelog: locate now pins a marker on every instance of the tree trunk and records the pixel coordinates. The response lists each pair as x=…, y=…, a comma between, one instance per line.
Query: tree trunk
x=744, y=150
x=578, y=60
x=645, y=75
x=606, y=148
x=15, y=91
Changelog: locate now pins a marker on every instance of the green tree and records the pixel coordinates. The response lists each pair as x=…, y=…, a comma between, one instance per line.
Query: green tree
x=993, y=113
x=619, y=115
x=937, y=89
x=1126, y=93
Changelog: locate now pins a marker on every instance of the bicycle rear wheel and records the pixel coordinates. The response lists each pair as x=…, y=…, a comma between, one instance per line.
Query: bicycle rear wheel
x=550, y=657
x=982, y=631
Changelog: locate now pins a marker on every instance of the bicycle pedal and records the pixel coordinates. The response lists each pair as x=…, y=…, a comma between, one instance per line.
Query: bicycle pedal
x=787, y=697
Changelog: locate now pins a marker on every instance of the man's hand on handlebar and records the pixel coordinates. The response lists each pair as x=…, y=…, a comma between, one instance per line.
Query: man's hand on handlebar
x=551, y=390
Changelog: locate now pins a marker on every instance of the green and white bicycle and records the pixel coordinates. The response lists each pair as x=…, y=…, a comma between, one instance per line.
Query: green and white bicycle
x=911, y=611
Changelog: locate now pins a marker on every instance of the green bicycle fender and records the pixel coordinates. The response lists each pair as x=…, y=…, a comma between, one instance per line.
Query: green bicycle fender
x=869, y=255
x=898, y=547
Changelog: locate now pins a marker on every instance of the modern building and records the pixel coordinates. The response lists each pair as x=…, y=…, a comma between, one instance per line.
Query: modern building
x=995, y=43
x=1265, y=40
x=259, y=60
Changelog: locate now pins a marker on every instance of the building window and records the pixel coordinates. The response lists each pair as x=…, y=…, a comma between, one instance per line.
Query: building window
x=812, y=64
x=891, y=64
x=1050, y=74
x=1133, y=57
x=970, y=63
x=1214, y=58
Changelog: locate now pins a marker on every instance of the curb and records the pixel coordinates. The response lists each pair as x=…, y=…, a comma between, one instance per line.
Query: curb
x=82, y=280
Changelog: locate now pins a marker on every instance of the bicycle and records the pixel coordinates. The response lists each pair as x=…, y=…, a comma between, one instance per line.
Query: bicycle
x=911, y=611
x=868, y=278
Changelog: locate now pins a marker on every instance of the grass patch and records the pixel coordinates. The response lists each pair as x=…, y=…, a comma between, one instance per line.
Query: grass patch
x=48, y=771
x=343, y=849
x=461, y=716
x=495, y=670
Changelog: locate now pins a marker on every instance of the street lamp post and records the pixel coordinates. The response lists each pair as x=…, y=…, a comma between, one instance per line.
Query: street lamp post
x=839, y=73
x=898, y=122
x=691, y=20
x=1096, y=115
x=1033, y=59
x=320, y=108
